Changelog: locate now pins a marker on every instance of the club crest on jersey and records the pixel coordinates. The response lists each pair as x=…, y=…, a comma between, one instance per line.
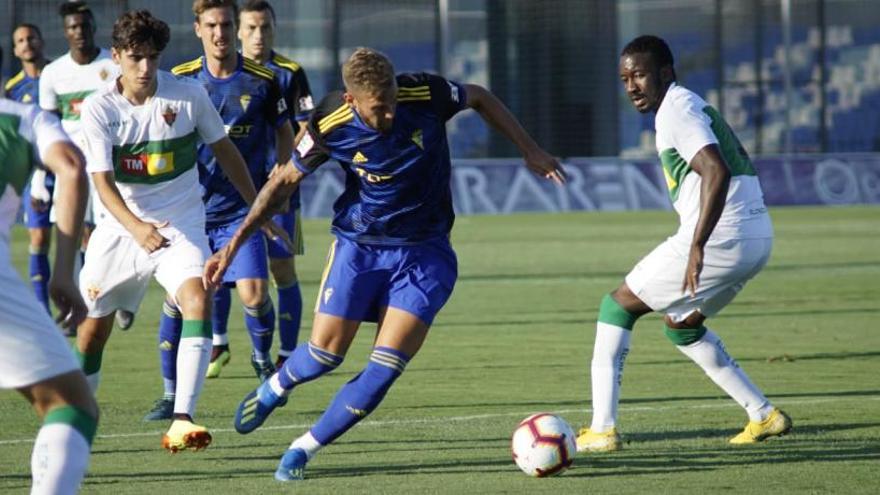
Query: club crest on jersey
x=103, y=74
x=328, y=293
x=245, y=101
x=417, y=138
x=169, y=115
x=93, y=291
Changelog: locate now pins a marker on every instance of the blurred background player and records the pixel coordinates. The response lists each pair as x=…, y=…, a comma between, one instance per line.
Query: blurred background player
x=34, y=358
x=249, y=100
x=250, y=103
x=256, y=30
x=66, y=82
x=724, y=240
x=142, y=132
x=27, y=42
x=389, y=134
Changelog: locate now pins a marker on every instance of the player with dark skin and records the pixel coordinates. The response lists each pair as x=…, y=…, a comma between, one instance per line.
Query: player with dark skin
x=645, y=83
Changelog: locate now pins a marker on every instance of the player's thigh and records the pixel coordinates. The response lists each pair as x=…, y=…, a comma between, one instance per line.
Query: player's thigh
x=115, y=275
x=31, y=346
x=250, y=261
x=354, y=282
x=180, y=264
x=422, y=279
x=401, y=330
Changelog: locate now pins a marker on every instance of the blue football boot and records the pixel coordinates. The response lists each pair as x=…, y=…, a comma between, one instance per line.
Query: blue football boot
x=256, y=407
x=292, y=466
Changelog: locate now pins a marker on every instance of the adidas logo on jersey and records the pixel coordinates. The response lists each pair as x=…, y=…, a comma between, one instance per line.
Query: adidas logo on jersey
x=359, y=158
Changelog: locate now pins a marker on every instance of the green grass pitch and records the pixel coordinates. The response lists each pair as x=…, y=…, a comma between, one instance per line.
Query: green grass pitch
x=516, y=338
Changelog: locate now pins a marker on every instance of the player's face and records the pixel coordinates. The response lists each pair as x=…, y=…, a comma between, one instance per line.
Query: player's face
x=257, y=34
x=79, y=30
x=376, y=110
x=138, y=66
x=27, y=44
x=645, y=83
x=216, y=28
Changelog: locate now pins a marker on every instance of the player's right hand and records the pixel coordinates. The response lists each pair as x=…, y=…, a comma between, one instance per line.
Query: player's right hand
x=71, y=307
x=148, y=237
x=215, y=267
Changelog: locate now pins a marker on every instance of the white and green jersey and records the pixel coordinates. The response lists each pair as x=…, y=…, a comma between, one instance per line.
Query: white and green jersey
x=64, y=84
x=26, y=133
x=685, y=124
x=151, y=149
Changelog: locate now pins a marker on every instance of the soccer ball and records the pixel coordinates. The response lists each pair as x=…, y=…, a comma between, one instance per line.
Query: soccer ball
x=543, y=445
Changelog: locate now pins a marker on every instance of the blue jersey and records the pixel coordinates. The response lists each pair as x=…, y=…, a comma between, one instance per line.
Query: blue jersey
x=397, y=188
x=252, y=107
x=295, y=88
x=23, y=88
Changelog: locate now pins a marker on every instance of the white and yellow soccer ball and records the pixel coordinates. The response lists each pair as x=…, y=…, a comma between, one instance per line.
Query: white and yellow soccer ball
x=543, y=445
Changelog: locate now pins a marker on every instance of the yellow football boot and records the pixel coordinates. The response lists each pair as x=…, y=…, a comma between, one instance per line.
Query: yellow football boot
x=217, y=365
x=607, y=441
x=185, y=435
x=777, y=424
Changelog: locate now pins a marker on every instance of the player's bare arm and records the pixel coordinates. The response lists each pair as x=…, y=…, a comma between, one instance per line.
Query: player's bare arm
x=68, y=165
x=284, y=142
x=493, y=111
x=145, y=233
x=272, y=197
x=715, y=179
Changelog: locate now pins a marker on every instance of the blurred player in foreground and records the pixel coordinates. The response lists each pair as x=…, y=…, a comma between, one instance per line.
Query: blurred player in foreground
x=724, y=240
x=391, y=262
x=34, y=357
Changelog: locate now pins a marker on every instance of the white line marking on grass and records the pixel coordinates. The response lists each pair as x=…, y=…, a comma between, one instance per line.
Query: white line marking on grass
x=471, y=417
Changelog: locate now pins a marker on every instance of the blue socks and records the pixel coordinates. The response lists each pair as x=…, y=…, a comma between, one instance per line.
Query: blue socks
x=170, y=328
x=289, y=317
x=38, y=268
x=220, y=315
x=307, y=363
x=360, y=396
x=260, y=323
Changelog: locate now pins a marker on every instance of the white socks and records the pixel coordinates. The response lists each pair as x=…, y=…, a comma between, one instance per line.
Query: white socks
x=193, y=358
x=709, y=354
x=308, y=444
x=606, y=373
x=59, y=460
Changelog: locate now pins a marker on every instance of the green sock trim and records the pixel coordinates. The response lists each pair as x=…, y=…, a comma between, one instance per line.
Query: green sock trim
x=90, y=363
x=75, y=417
x=612, y=313
x=684, y=336
x=196, y=328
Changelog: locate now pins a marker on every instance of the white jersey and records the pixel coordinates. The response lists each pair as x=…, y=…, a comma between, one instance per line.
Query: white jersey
x=151, y=149
x=685, y=124
x=26, y=133
x=64, y=84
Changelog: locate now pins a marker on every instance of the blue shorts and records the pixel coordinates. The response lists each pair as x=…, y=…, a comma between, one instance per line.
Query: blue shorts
x=360, y=279
x=37, y=219
x=249, y=262
x=291, y=224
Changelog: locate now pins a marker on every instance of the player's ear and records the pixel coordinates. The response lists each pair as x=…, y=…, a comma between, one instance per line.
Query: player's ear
x=348, y=98
x=115, y=54
x=196, y=29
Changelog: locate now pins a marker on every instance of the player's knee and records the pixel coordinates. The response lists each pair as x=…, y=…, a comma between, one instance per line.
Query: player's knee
x=194, y=304
x=613, y=313
x=680, y=334
x=254, y=293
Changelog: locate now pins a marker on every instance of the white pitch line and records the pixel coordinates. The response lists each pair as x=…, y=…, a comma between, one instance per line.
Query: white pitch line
x=421, y=421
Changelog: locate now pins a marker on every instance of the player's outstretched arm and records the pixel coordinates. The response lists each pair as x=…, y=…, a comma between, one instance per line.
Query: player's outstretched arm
x=715, y=180
x=67, y=163
x=272, y=197
x=493, y=111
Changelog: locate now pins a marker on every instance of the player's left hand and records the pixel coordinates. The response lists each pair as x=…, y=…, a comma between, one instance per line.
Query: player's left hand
x=693, y=270
x=71, y=307
x=274, y=232
x=545, y=165
x=215, y=267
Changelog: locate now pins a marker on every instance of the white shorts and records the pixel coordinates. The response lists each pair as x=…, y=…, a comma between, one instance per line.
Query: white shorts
x=727, y=265
x=117, y=270
x=31, y=346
